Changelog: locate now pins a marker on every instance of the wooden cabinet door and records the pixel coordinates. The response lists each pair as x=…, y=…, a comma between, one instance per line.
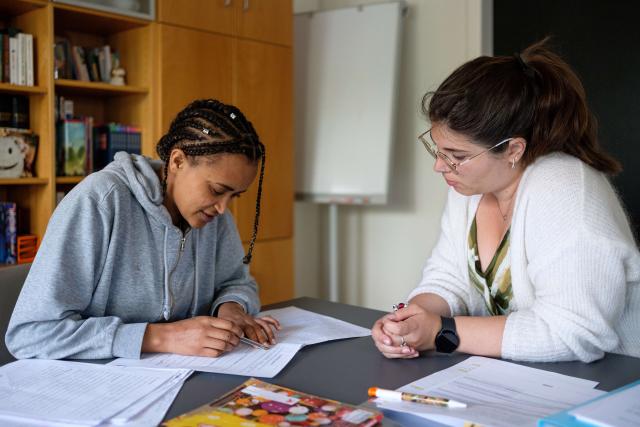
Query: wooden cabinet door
x=272, y=267
x=266, y=20
x=264, y=92
x=194, y=64
x=218, y=16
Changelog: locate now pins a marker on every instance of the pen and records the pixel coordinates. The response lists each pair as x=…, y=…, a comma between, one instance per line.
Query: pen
x=397, y=396
x=253, y=343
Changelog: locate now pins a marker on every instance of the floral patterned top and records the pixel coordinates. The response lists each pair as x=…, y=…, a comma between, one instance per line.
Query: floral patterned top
x=494, y=284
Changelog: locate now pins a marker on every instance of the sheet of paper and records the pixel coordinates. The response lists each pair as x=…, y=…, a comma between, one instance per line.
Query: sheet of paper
x=73, y=392
x=153, y=406
x=621, y=409
x=243, y=360
x=151, y=415
x=497, y=393
x=306, y=327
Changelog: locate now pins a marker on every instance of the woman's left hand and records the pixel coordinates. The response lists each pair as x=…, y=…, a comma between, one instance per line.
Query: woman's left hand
x=413, y=326
x=259, y=329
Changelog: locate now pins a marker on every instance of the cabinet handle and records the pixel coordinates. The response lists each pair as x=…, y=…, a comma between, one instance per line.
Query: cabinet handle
x=227, y=3
x=245, y=6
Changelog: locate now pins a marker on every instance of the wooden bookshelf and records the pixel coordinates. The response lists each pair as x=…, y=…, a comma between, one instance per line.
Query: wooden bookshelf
x=129, y=104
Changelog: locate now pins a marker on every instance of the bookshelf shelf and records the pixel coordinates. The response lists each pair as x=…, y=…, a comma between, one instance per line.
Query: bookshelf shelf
x=69, y=179
x=18, y=7
x=22, y=90
x=78, y=87
x=24, y=181
x=74, y=18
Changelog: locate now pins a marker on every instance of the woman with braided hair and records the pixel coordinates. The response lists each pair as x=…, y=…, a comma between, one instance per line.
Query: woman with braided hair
x=535, y=260
x=144, y=256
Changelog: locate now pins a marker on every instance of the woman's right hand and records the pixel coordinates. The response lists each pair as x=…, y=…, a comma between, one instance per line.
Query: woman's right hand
x=390, y=346
x=197, y=336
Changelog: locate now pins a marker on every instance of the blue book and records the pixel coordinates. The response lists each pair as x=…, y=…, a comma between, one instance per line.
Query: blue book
x=8, y=233
x=566, y=419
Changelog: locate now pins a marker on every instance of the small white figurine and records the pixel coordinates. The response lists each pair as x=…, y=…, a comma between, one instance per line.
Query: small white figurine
x=117, y=76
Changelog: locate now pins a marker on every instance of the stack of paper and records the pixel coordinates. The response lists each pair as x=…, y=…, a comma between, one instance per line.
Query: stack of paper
x=299, y=328
x=497, y=393
x=33, y=392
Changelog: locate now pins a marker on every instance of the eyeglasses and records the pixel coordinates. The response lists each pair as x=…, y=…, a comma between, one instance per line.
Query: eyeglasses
x=432, y=148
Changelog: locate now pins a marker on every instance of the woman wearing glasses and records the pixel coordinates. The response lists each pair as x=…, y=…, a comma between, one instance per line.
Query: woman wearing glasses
x=535, y=260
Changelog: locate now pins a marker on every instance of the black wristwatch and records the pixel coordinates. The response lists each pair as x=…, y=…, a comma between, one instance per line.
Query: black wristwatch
x=447, y=340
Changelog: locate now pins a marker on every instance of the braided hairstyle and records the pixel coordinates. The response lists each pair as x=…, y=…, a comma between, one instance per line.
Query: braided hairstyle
x=206, y=127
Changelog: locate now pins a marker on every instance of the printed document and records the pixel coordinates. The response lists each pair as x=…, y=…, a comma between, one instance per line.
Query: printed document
x=497, y=393
x=299, y=328
x=73, y=393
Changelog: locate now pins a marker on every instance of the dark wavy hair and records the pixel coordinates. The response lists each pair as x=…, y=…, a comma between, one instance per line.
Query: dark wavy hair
x=534, y=95
x=206, y=127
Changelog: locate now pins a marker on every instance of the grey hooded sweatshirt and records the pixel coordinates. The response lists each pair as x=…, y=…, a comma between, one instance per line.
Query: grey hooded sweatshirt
x=112, y=261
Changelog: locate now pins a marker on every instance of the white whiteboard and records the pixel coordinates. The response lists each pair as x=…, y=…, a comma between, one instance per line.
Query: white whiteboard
x=346, y=66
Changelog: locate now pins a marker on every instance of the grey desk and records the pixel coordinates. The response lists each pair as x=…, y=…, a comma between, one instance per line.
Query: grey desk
x=344, y=370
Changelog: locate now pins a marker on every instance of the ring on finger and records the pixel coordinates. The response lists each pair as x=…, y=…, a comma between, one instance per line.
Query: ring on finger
x=403, y=343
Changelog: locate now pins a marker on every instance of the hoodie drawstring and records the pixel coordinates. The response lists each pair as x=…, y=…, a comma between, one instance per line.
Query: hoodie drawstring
x=194, y=301
x=166, y=302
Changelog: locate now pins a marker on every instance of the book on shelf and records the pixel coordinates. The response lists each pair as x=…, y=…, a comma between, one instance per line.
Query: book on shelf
x=111, y=138
x=17, y=57
x=71, y=147
x=18, y=152
x=79, y=61
x=262, y=404
x=83, y=63
x=63, y=108
x=8, y=233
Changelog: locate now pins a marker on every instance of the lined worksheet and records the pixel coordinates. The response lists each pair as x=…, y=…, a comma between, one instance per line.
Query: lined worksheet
x=73, y=393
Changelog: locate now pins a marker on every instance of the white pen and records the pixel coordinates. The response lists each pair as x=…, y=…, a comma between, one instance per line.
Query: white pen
x=398, y=396
x=253, y=343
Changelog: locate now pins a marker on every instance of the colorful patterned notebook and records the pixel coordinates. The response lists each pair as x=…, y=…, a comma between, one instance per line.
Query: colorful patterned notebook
x=258, y=404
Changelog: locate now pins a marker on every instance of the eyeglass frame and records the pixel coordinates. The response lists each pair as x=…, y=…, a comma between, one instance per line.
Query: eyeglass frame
x=450, y=163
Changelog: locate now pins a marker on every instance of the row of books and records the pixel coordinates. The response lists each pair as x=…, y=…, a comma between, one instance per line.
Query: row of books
x=83, y=148
x=83, y=63
x=14, y=111
x=16, y=52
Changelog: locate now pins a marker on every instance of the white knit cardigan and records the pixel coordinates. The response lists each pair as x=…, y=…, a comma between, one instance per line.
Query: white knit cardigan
x=575, y=267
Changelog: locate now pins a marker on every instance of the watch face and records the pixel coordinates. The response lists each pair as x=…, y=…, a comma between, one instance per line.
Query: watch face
x=447, y=341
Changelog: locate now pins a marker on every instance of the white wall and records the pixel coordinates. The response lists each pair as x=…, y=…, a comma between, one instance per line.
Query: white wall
x=383, y=248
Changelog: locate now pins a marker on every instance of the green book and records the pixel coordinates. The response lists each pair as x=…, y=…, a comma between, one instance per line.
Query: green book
x=71, y=147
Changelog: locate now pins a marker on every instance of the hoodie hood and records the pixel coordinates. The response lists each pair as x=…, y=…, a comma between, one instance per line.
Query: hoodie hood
x=142, y=176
